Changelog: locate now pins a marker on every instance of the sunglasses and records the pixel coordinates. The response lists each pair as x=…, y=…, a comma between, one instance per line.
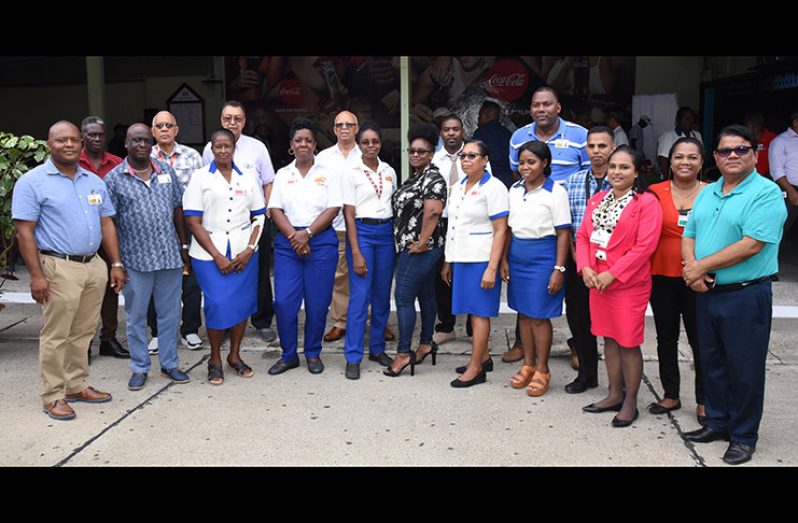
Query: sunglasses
x=470, y=156
x=419, y=152
x=167, y=125
x=742, y=150
x=345, y=124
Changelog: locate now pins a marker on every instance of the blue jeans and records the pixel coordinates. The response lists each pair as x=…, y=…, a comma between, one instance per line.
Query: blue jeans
x=415, y=277
x=373, y=288
x=164, y=288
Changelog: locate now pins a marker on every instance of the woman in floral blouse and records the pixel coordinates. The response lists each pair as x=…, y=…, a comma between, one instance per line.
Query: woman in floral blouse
x=419, y=237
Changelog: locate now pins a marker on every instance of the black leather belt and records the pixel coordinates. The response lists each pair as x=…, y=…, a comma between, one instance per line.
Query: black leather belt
x=738, y=286
x=372, y=221
x=69, y=257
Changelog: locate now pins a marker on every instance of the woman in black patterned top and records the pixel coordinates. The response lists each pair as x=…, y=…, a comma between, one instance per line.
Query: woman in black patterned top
x=419, y=237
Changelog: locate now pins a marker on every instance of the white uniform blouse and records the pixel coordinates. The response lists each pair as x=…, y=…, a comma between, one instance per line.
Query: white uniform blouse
x=539, y=212
x=369, y=192
x=303, y=199
x=333, y=159
x=470, y=234
x=228, y=211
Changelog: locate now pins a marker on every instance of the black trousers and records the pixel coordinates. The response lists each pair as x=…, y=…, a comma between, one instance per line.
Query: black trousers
x=577, y=313
x=443, y=297
x=672, y=299
x=262, y=319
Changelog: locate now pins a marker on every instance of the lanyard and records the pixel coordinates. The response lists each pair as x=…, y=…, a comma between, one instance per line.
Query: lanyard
x=377, y=190
x=161, y=157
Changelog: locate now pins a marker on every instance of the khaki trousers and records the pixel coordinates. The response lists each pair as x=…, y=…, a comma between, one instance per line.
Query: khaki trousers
x=70, y=319
x=340, y=299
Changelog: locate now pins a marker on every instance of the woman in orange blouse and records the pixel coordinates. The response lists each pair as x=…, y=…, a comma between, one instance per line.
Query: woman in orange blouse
x=670, y=296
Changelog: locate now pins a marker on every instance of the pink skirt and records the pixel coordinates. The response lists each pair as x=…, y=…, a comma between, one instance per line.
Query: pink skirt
x=620, y=313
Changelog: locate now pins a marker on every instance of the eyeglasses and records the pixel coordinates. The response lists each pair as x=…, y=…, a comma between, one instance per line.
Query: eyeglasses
x=419, y=152
x=741, y=150
x=229, y=118
x=167, y=125
x=370, y=142
x=470, y=156
x=338, y=125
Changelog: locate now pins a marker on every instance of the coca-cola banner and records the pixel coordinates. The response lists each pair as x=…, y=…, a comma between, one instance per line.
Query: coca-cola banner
x=277, y=89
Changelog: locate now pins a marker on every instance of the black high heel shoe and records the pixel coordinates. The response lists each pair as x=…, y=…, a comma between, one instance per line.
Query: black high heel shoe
x=487, y=366
x=393, y=374
x=460, y=384
x=433, y=351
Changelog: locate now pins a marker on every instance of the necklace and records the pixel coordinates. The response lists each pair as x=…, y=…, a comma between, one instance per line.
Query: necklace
x=692, y=192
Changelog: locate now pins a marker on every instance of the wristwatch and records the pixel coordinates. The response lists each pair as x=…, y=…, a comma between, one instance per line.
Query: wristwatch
x=560, y=268
x=117, y=265
x=252, y=246
x=310, y=233
x=185, y=246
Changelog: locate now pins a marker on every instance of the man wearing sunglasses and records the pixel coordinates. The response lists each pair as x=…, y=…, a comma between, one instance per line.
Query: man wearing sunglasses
x=184, y=161
x=730, y=251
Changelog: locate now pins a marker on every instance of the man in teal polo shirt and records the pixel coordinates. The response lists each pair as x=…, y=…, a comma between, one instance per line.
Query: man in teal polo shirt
x=730, y=248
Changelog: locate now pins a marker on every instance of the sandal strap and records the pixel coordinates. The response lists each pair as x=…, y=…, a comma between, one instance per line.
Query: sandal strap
x=523, y=373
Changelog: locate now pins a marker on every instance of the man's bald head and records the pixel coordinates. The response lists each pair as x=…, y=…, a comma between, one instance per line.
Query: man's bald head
x=346, y=127
x=61, y=125
x=137, y=127
x=64, y=142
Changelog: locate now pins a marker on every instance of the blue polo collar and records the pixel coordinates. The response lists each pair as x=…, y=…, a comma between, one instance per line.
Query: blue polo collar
x=52, y=169
x=748, y=180
x=485, y=178
x=212, y=168
x=548, y=185
x=558, y=133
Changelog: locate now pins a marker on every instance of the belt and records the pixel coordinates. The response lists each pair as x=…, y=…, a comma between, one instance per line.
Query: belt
x=373, y=221
x=70, y=257
x=738, y=286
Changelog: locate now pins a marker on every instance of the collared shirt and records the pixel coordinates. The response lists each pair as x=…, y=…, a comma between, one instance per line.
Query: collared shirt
x=763, y=152
x=783, y=156
x=539, y=212
x=145, y=223
x=619, y=136
x=303, y=199
x=369, y=192
x=755, y=208
x=108, y=162
x=577, y=197
x=668, y=138
x=67, y=212
x=568, y=148
x=497, y=137
x=183, y=160
x=228, y=210
x=408, y=208
x=333, y=159
x=470, y=234
x=443, y=161
x=250, y=155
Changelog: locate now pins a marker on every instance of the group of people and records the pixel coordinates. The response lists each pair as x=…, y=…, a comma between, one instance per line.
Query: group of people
x=578, y=225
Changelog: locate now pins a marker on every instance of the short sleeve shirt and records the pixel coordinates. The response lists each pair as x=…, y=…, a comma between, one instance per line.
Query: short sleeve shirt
x=250, y=155
x=568, y=148
x=369, y=192
x=303, y=199
x=408, y=208
x=183, y=160
x=540, y=212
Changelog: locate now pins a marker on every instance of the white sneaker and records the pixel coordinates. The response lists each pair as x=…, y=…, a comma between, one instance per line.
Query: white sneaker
x=152, y=348
x=192, y=341
x=442, y=337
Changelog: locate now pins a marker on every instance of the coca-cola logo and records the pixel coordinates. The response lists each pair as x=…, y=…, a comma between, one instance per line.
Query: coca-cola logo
x=290, y=91
x=507, y=80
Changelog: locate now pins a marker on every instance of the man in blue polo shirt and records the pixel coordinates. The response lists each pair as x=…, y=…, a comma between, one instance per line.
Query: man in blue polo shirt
x=730, y=248
x=62, y=214
x=148, y=199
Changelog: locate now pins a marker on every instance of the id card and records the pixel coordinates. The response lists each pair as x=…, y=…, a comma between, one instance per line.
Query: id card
x=600, y=237
x=164, y=178
x=561, y=144
x=682, y=221
x=95, y=199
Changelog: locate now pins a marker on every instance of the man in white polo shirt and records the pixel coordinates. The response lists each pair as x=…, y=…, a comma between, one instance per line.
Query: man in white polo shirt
x=252, y=155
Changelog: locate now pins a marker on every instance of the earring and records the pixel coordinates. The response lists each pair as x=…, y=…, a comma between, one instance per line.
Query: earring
x=291, y=151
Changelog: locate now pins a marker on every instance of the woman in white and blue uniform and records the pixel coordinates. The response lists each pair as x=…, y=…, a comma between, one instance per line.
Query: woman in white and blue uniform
x=305, y=199
x=534, y=262
x=224, y=210
x=474, y=242
x=366, y=192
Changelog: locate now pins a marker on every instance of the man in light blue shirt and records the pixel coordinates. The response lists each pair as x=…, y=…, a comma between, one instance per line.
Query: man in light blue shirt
x=730, y=249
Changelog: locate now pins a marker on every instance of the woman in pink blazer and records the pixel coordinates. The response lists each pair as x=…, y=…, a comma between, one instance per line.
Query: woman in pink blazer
x=614, y=246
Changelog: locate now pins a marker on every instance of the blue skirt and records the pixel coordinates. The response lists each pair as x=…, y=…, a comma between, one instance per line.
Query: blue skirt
x=467, y=295
x=229, y=298
x=531, y=263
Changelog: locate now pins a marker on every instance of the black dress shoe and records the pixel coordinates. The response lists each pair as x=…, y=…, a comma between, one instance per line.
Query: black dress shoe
x=381, y=358
x=113, y=348
x=706, y=435
x=353, y=371
x=738, y=453
x=618, y=422
x=656, y=408
x=598, y=410
x=578, y=387
x=460, y=384
x=282, y=366
x=315, y=366
x=487, y=366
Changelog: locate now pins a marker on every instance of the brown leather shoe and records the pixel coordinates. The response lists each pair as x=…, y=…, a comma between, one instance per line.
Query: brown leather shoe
x=89, y=395
x=335, y=334
x=59, y=410
x=389, y=335
x=514, y=354
x=574, y=359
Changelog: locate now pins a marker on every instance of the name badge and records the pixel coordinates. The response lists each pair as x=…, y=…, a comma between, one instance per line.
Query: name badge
x=561, y=144
x=601, y=255
x=682, y=221
x=600, y=237
x=95, y=199
x=164, y=178
x=240, y=192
